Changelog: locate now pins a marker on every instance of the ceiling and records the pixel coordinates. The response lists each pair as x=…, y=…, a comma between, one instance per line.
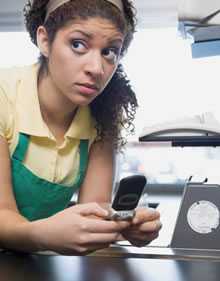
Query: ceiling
x=154, y=13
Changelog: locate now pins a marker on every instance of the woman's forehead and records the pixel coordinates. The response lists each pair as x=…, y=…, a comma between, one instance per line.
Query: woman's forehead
x=92, y=26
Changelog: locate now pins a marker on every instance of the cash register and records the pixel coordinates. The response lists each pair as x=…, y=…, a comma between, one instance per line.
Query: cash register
x=198, y=221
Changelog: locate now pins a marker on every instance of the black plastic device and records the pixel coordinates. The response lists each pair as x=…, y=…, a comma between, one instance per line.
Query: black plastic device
x=127, y=196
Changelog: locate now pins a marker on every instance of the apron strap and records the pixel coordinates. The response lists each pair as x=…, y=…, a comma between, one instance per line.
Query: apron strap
x=21, y=147
x=84, y=144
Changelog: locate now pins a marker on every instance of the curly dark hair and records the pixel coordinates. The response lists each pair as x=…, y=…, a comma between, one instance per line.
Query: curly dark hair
x=115, y=108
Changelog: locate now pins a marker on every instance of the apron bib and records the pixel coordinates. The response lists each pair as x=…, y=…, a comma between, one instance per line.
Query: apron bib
x=37, y=198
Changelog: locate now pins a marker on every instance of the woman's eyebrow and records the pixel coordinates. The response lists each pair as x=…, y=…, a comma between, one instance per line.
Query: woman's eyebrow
x=84, y=33
x=118, y=40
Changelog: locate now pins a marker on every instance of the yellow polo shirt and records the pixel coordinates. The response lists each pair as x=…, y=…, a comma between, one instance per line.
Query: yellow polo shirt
x=20, y=112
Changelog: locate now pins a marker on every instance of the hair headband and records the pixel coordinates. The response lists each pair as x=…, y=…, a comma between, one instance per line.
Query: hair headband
x=54, y=4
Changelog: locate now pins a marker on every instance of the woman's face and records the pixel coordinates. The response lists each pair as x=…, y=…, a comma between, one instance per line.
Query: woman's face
x=83, y=57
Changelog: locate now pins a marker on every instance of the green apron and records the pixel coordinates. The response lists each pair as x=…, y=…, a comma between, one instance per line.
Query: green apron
x=37, y=198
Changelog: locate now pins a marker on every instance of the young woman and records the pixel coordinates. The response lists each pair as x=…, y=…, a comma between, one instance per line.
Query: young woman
x=60, y=123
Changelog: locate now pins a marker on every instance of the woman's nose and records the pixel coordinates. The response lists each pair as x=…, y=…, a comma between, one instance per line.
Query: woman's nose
x=94, y=65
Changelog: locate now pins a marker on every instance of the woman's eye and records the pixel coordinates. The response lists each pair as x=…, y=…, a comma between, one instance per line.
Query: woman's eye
x=112, y=54
x=78, y=46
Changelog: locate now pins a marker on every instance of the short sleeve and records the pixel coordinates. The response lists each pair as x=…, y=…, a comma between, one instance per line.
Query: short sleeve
x=5, y=113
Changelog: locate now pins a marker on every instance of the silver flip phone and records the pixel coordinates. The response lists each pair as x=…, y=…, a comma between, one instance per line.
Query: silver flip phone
x=127, y=197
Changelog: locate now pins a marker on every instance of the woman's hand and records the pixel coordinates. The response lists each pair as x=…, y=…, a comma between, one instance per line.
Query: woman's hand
x=79, y=229
x=144, y=227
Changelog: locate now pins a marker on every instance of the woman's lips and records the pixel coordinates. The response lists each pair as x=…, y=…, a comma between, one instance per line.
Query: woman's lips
x=87, y=89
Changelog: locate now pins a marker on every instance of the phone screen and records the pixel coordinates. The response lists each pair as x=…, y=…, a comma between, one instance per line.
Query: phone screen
x=129, y=193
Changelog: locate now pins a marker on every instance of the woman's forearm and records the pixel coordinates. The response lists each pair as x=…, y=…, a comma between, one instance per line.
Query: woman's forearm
x=16, y=233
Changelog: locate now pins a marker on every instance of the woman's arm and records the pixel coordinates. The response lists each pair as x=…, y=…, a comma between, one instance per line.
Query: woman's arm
x=14, y=227
x=97, y=186
x=78, y=229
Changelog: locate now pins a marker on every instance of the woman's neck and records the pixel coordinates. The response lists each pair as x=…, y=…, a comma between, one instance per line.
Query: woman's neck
x=57, y=111
x=54, y=106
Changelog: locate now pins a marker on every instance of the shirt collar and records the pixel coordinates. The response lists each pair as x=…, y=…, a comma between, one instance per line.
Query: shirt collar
x=29, y=114
x=83, y=125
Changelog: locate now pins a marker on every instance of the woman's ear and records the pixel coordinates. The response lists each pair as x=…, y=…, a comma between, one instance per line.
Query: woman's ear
x=42, y=41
